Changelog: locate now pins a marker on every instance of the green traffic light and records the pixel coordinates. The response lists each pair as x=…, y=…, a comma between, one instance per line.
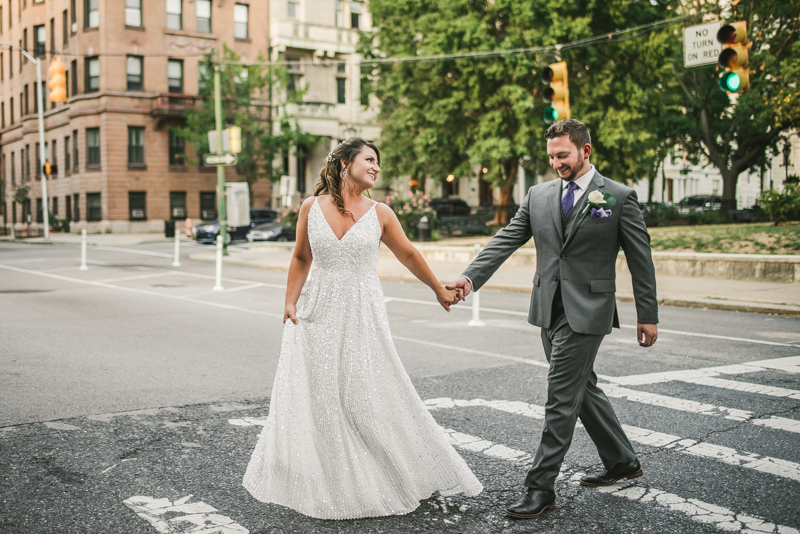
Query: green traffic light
x=550, y=115
x=730, y=81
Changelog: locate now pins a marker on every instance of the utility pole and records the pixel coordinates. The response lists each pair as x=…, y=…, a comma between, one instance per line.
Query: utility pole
x=42, y=147
x=221, y=195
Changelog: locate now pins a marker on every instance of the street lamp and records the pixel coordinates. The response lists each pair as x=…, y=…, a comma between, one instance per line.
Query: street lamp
x=40, y=105
x=787, y=151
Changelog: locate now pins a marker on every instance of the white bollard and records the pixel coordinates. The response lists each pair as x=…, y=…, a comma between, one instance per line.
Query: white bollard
x=476, y=300
x=218, y=286
x=84, y=267
x=177, y=261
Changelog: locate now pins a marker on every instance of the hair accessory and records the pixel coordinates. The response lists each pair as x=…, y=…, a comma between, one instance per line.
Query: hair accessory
x=331, y=157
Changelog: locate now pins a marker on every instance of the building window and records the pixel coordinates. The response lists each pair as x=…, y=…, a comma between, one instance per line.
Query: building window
x=177, y=204
x=28, y=162
x=356, y=9
x=13, y=170
x=92, y=15
x=94, y=211
x=23, y=44
x=208, y=205
x=293, y=9
x=133, y=13
x=74, y=71
x=339, y=14
x=38, y=163
x=92, y=67
x=36, y=96
x=203, y=12
x=293, y=68
x=10, y=65
x=52, y=35
x=75, y=150
x=39, y=211
x=68, y=205
x=26, y=109
x=93, y=146
x=3, y=114
x=177, y=149
x=135, y=145
x=66, y=83
x=52, y=157
x=65, y=26
x=202, y=76
x=134, y=68
x=175, y=75
x=2, y=69
x=73, y=17
x=67, y=155
x=174, y=19
x=240, y=20
x=341, y=84
x=137, y=205
x=54, y=207
x=76, y=207
x=11, y=111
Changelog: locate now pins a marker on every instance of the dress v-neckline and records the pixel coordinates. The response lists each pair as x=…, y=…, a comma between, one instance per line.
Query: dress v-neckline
x=339, y=239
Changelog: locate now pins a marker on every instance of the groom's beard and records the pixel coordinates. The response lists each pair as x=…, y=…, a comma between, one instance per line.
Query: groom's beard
x=574, y=170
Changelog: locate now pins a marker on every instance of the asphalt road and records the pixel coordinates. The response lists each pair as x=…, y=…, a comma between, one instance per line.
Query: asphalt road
x=131, y=396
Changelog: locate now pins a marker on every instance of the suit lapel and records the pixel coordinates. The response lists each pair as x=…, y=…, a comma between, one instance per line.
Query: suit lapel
x=595, y=185
x=555, y=206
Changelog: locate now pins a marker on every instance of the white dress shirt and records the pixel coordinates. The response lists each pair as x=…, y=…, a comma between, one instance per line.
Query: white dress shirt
x=582, y=182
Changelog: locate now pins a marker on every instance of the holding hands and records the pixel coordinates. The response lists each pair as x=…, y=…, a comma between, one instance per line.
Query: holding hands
x=462, y=286
x=447, y=297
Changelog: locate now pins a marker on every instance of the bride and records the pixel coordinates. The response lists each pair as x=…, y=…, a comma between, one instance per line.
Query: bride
x=347, y=436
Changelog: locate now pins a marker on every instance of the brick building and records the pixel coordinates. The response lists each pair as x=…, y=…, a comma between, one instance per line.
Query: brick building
x=132, y=66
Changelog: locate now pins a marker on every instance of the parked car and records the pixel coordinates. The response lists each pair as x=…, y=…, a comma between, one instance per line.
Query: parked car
x=698, y=203
x=650, y=212
x=271, y=231
x=455, y=216
x=207, y=232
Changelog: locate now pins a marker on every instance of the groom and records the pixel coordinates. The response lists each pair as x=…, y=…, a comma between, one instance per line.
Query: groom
x=578, y=234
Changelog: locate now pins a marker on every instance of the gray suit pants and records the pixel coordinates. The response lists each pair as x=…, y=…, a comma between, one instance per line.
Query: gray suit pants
x=572, y=392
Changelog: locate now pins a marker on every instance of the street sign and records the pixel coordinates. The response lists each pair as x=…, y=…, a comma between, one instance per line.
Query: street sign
x=238, y=203
x=213, y=160
x=700, y=45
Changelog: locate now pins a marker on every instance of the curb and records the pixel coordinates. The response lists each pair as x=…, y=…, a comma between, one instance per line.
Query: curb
x=679, y=302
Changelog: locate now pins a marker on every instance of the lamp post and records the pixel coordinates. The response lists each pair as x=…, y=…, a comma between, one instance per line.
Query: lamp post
x=787, y=151
x=40, y=105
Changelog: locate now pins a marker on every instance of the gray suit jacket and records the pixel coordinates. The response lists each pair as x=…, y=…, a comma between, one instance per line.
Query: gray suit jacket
x=583, y=261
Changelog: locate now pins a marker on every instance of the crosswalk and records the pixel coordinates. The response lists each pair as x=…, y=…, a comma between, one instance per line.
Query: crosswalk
x=653, y=440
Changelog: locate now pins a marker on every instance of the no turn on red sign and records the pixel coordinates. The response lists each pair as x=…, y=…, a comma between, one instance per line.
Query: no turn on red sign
x=700, y=45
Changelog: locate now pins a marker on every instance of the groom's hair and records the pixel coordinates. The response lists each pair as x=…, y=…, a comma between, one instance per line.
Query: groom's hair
x=577, y=131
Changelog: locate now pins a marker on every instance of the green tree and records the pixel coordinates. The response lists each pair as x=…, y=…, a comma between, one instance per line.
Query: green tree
x=739, y=133
x=455, y=115
x=249, y=93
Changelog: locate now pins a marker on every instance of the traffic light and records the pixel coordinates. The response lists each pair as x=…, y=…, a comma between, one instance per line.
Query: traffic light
x=58, y=80
x=49, y=168
x=734, y=58
x=556, y=94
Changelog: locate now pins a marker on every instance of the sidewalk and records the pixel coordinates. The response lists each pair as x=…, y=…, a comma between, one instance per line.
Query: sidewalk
x=694, y=292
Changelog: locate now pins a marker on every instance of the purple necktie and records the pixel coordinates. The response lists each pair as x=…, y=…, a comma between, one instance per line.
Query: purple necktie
x=569, y=198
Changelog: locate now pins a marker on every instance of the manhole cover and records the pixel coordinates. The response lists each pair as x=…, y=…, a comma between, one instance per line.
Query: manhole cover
x=25, y=290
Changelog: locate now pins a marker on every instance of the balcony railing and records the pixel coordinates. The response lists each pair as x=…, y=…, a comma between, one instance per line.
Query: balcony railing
x=173, y=104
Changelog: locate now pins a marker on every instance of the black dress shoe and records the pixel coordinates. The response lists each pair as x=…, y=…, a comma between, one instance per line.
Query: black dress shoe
x=609, y=476
x=533, y=503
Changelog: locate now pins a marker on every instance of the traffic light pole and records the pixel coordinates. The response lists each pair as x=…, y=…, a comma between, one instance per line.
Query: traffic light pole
x=40, y=105
x=221, y=195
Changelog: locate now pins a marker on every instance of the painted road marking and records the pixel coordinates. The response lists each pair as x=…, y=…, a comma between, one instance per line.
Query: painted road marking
x=727, y=455
x=746, y=387
x=696, y=510
x=629, y=326
x=474, y=351
x=684, y=405
x=248, y=421
x=134, y=277
x=143, y=292
x=790, y=364
x=198, y=517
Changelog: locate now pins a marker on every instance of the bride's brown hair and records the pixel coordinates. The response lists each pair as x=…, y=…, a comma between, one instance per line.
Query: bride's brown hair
x=330, y=176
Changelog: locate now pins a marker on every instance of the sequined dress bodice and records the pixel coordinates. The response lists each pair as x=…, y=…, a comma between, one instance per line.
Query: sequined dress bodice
x=347, y=436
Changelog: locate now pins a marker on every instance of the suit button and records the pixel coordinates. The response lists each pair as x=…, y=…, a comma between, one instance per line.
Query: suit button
x=555, y=279
x=563, y=256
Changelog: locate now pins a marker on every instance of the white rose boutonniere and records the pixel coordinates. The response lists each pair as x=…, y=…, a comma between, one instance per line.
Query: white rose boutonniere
x=600, y=204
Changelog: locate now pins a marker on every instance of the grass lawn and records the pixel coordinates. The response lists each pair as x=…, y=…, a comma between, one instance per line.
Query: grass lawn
x=743, y=238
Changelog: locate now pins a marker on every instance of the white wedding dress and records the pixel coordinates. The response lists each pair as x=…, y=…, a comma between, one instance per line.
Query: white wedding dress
x=347, y=436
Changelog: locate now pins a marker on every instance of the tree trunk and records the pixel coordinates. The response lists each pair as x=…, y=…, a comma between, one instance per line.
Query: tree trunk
x=729, y=179
x=506, y=197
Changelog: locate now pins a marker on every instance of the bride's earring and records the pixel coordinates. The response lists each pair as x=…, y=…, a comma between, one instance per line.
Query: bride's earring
x=344, y=174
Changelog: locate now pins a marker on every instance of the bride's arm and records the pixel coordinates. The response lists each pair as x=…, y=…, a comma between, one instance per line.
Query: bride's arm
x=300, y=264
x=395, y=238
